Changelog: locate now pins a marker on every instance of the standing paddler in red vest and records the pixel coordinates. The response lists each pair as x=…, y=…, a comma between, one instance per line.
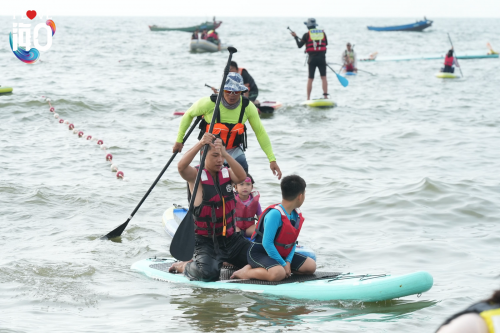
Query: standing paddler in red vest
x=235, y=110
x=247, y=206
x=216, y=239
x=272, y=256
x=316, y=42
x=449, y=62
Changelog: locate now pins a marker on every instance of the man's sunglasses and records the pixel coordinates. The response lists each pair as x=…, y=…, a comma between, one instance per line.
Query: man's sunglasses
x=232, y=92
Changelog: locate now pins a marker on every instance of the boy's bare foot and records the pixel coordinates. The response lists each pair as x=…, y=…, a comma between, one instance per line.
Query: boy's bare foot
x=242, y=273
x=178, y=267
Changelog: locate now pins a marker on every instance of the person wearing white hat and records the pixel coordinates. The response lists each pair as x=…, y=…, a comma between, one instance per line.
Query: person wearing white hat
x=235, y=110
x=316, y=42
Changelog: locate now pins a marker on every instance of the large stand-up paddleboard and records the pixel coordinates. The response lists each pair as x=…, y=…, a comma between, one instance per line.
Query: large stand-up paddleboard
x=442, y=75
x=269, y=106
x=320, y=103
x=321, y=286
x=174, y=216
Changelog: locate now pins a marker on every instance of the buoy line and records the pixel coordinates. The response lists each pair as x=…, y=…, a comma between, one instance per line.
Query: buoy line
x=114, y=167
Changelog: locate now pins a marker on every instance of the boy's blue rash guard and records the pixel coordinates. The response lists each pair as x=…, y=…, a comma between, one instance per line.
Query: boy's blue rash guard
x=272, y=222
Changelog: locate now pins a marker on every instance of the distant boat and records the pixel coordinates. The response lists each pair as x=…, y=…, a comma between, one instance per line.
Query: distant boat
x=418, y=26
x=207, y=25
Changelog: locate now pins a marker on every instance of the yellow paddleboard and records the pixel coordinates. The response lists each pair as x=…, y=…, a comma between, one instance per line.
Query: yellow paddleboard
x=5, y=90
x=442, y=75
x=320, y=103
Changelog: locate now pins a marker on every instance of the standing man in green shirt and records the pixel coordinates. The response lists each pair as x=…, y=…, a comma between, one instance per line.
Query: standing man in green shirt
x=235, y=110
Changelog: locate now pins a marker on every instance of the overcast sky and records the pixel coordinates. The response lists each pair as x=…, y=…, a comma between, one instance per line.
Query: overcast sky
x=259, y=8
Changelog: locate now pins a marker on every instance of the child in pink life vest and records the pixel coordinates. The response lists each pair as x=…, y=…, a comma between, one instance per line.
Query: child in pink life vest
x=247, y=207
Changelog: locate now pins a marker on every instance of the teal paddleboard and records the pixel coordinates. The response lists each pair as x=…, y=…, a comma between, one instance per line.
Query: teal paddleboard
x=321, y=286
x=173, y=216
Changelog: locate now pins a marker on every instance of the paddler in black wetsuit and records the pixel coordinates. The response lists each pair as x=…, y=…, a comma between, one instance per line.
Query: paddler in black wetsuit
x=316, y=42
x=248, y=81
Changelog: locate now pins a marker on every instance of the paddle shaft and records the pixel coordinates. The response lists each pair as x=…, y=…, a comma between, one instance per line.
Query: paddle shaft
x=119, y=230
x=456, y=58
x=184, y=250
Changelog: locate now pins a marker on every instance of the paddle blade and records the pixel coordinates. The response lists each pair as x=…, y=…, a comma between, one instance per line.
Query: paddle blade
x=343, y=81
x=182, y=246
x=117, y=232
x=232, y=49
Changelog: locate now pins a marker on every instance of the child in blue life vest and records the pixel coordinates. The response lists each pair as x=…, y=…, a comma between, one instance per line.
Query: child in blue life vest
x=272, y=256
x=247, y=206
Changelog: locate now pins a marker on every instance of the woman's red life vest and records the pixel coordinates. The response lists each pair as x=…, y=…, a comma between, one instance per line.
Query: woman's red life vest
x=287, y=234
x=215, y=215
x=231, y=134
x=448, y=61
x=315, y=46
x=245, y=215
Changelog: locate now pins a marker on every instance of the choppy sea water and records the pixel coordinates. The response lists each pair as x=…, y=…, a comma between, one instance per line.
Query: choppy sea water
x=402, y=176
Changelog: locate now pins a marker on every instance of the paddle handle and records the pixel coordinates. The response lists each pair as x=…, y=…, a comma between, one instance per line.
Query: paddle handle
x=449, y=38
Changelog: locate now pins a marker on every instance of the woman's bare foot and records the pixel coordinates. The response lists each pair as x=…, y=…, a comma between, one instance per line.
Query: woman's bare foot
x=242, y=273
x=178, y=267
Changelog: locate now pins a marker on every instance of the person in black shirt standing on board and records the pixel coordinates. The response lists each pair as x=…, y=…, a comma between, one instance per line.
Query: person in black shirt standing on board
x=316, y=42
x=248, y=81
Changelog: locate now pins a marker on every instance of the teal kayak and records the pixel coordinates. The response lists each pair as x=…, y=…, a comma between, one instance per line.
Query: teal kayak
x=173, y=216
x=321, y=286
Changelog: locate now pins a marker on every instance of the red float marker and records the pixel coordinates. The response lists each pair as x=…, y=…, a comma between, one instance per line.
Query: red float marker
x=109, y=157
x=89, y=137
x=80, y=134
x=120, y=174
x=100, y=142
x=71, y=126
x=52, y=109
x=61, y=121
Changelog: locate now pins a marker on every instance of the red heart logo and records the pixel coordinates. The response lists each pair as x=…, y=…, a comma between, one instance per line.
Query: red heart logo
x=31, y=14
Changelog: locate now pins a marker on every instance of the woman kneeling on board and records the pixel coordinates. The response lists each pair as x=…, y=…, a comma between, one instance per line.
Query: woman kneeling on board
x=449, y=62
x=272, y=256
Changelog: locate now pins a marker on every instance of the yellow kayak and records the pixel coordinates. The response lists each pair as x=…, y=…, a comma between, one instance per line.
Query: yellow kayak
x=442, y=75
x=320, y=103
x=4, y=90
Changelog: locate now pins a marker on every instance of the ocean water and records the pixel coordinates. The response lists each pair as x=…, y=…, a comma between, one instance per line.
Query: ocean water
x=402, y=176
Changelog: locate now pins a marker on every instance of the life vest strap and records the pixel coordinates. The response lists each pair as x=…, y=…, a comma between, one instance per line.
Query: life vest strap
x=286, y=246
x=246, y=219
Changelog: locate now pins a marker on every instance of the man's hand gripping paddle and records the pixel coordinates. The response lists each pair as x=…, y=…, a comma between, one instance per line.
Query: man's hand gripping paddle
x=343, y=81
x=119, y=230
x=182, y=246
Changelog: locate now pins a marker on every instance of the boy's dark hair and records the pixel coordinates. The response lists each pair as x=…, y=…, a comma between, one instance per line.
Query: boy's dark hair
x=234, y=64
x=292, y=186
x=450, y=53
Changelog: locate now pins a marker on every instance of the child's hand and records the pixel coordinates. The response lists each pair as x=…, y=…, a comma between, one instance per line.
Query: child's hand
x=288, y=269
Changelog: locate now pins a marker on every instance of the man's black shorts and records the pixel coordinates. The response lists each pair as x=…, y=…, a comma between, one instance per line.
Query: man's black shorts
x=207, y=262
x=317, y=61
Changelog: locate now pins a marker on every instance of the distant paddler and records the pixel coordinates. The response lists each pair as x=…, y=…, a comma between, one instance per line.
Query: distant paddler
x=248, y=81
x=316, y=42
x=195, y=34
x=349, y=59
x=235, y=110
x=449, y=62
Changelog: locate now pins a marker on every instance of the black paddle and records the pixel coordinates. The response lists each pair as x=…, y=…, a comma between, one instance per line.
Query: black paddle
x=119, y=230
x=182, y=246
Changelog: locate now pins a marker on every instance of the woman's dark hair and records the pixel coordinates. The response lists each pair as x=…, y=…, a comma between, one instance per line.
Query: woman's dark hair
x=495, y=298
x=234, y=64
x=292, y=186
x=450, y=53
